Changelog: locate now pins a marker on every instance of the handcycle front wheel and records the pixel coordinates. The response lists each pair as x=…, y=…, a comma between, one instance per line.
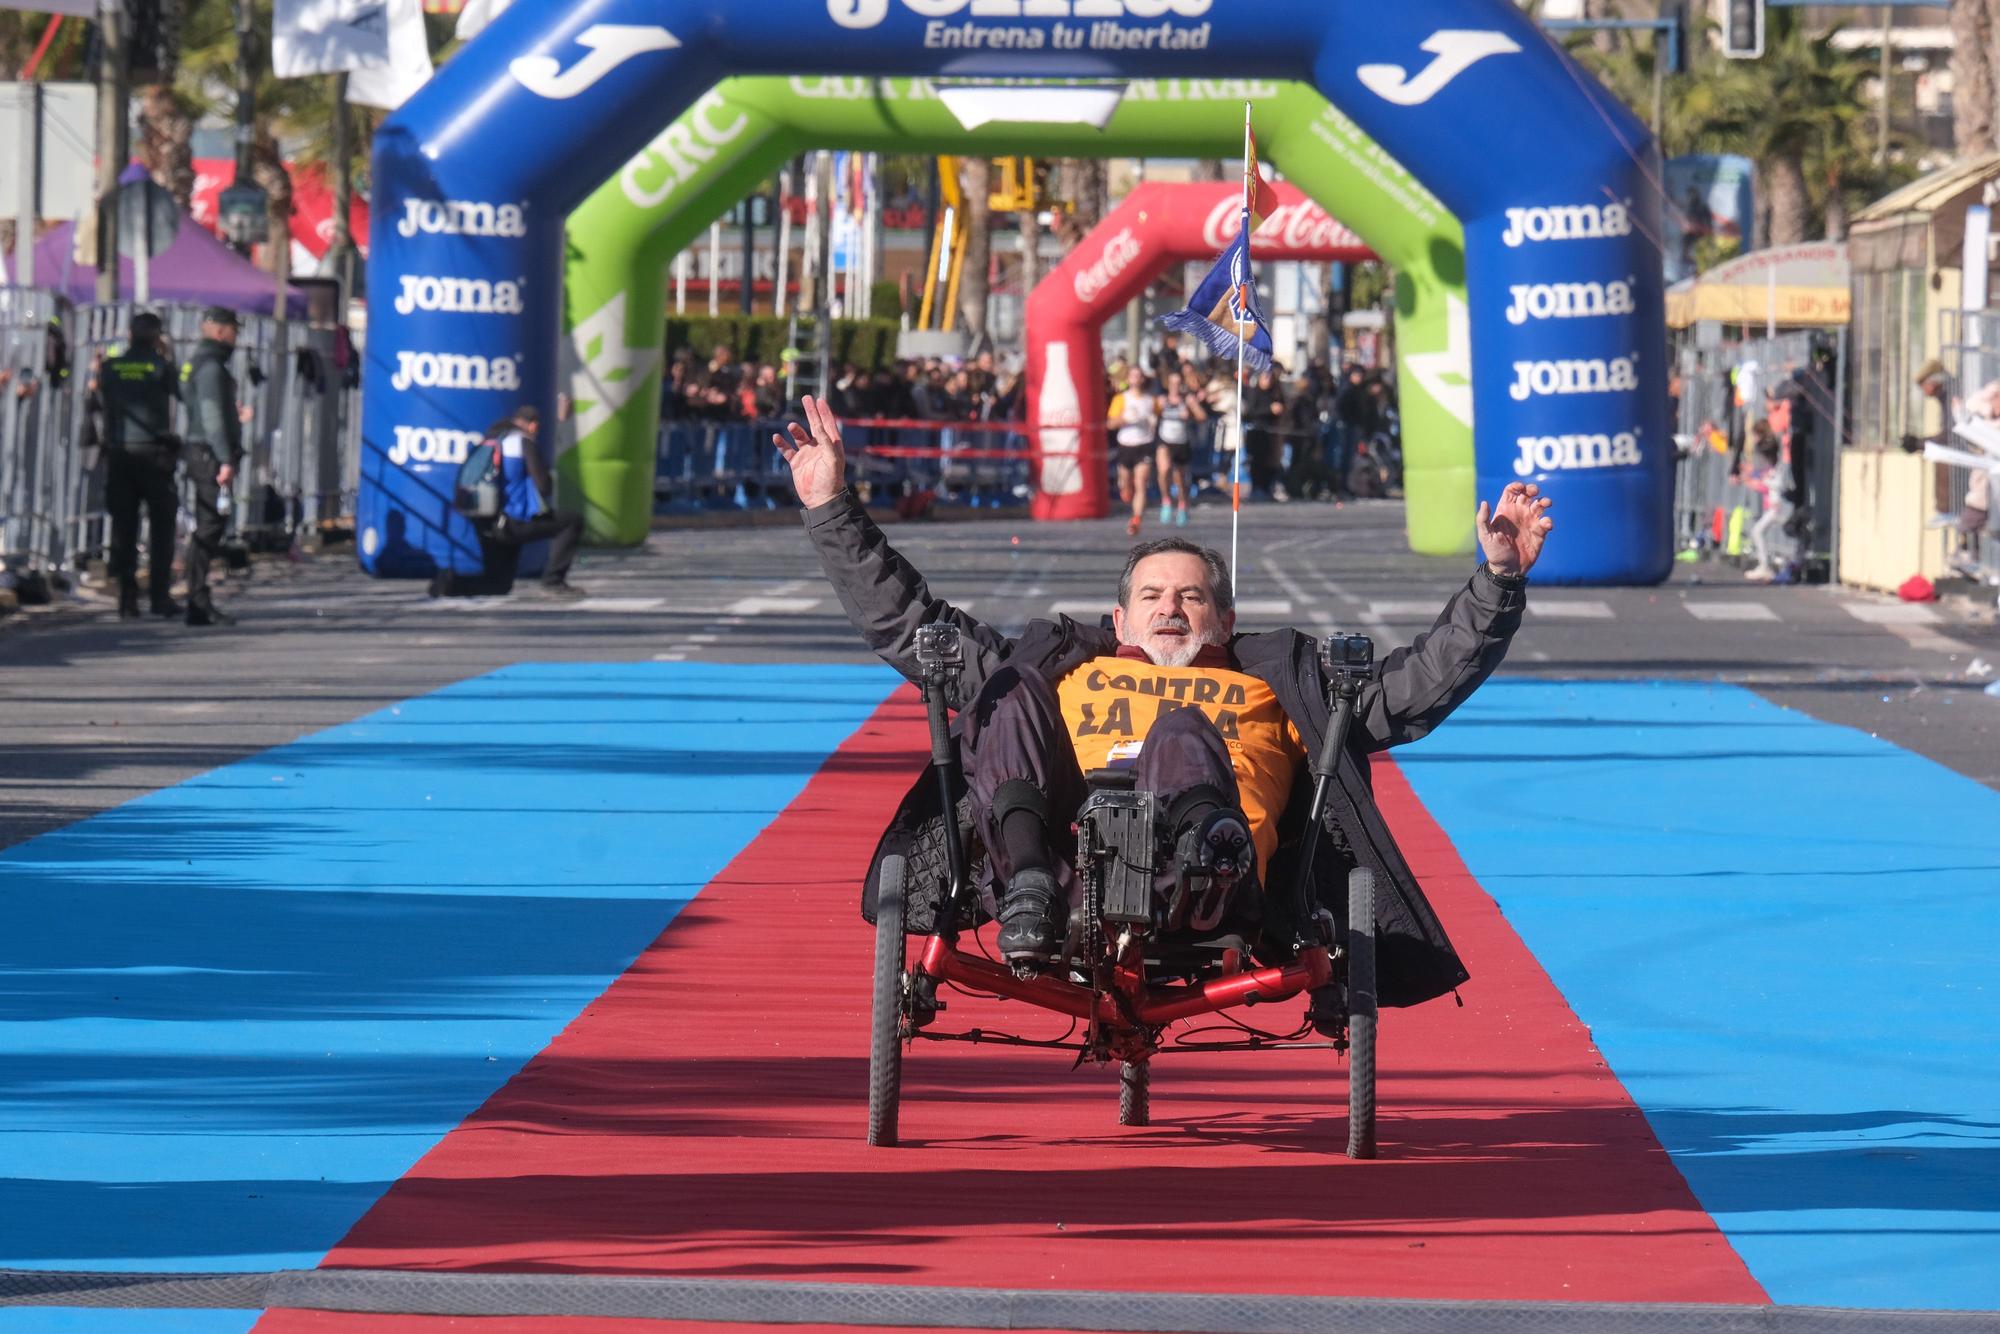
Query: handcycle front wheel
x=1135, y=1080
x=1361, y=1013
x=885, y=1048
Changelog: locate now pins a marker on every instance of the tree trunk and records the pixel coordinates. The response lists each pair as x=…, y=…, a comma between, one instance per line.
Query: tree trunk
x=267, y=168
x=975, y=181
x=1836, y=211
x=166, y=140
x=1791, y=208
x=1081, y=186
x=1972, y=76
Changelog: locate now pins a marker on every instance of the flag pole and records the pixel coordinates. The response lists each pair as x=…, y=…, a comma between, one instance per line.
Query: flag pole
x=1236, y=464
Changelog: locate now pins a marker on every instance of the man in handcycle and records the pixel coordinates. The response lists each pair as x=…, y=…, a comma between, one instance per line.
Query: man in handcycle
x=1216, y=725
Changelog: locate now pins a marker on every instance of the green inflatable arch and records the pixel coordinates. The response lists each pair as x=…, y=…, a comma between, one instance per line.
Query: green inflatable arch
x=623, y=238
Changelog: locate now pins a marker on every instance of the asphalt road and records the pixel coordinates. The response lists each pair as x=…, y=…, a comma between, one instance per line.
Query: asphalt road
x=94, y=711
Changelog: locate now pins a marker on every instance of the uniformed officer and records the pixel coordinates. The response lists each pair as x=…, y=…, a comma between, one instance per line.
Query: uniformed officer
x=214, y=452
x=136, y=383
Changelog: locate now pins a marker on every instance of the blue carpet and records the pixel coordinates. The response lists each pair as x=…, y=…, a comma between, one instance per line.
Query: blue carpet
x=1782, y=934
x=233, y=1011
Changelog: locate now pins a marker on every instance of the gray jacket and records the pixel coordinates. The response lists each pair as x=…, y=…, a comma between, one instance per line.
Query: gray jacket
x=1414, y=689
x=210, y=393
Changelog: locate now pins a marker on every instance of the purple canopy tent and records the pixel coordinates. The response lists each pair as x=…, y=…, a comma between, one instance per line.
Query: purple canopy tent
x=196, y=268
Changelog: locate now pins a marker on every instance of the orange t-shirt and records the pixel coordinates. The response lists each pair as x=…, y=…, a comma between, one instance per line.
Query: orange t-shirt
x=1109, y=704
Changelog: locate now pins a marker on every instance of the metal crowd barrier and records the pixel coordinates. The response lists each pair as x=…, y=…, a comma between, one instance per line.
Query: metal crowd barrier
x=301, y=467
x=710, y=465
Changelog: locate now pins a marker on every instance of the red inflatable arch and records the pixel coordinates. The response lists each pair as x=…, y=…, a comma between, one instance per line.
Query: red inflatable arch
x=1158, y=225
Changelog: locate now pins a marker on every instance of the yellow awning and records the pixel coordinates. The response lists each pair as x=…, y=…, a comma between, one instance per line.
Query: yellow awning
x=1789, y=285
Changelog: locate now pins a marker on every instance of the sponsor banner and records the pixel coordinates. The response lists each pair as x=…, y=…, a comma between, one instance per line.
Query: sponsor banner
x=312, y=202
x=1711, y=211
x=422, y=447
x=1117, y=26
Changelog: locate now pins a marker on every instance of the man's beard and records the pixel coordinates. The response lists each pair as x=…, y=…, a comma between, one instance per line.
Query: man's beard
x=1175, y=652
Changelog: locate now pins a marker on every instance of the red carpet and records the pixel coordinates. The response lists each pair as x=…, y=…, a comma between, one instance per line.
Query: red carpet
x=705, y=1116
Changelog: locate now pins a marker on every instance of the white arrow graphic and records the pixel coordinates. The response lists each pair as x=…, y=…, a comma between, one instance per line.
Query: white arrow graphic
x=1447, y=375
x=1456, y=49
x=610, y=45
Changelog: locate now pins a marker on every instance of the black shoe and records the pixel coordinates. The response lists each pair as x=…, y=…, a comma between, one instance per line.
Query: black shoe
x=200, y=613
x=167, y=607
x=1031, y=917
x=128, y=604
x=1219, y=843
x=563, y=590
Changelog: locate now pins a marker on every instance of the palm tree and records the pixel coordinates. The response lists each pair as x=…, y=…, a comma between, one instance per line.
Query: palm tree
x=1975, y=26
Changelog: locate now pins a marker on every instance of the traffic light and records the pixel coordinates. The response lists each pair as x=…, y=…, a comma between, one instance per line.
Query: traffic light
x=1743, y=29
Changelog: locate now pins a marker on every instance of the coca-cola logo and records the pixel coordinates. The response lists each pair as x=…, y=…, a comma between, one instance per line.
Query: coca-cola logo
x=1119, y=252
x=1301, y=226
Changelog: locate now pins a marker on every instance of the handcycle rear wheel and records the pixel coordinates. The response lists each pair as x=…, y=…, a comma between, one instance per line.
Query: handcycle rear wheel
x=1135, y=1082
x=1361, y=1013
x=885, y=1050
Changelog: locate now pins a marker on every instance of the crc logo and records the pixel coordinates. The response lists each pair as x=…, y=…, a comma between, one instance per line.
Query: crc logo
x=681, y=149
x=610, y=45
x=458, y=296
x=1567, y=222
x=868, y=13
x=425, y=444
x=1568, y=301
x=1539, y=379
x=1302, y=226
x=1556, y=453
x=1456, y=50
x=461, y=217
x=451, y=370
x=1119, y=252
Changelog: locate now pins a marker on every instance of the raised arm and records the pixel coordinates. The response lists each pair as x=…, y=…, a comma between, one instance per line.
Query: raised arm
x=1420, y=685
x=885, y=596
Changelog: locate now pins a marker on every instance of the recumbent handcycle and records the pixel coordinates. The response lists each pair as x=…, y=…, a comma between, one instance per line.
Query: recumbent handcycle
x=1123, y=974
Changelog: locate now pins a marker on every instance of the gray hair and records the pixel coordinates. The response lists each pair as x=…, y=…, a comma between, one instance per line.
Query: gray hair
x=1218, y=573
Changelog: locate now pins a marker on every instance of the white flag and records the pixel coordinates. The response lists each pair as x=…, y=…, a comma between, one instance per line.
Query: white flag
x=328, y=36
x=477, y=14
x=409, y=66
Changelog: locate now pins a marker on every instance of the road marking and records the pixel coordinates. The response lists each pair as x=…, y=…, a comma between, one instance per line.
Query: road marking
x=1730, y=611
x=619, y=604
x=699, y=639
x=1565, y=609
x=763, y=606
x=1891, y=613
x=1407, y=610
x=1910, y=622
x=670, y=657
x=1090, y=611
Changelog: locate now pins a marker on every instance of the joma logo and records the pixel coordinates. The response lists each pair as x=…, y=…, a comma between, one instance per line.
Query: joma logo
x=1566, y=222
x=1538, y=379
x=460, y=217
x=1554, y=453
x=450, y=370
x=424, y=444
x=1568, y=301
x=468, y=296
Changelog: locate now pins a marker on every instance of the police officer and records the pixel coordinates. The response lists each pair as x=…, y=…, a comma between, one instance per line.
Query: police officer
x=136, y=384
x=214, y=452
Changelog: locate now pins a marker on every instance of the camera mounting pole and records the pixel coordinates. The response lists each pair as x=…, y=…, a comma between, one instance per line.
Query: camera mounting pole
x=940, y=662
x=1347, y=661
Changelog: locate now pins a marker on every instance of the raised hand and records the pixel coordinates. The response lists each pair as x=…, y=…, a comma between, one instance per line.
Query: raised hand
x=1511, y=532
x=816, y=457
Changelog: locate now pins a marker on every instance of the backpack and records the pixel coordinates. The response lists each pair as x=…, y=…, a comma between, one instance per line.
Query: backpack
x=477, y=492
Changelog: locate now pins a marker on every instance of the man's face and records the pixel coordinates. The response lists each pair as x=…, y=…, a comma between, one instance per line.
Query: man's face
x=1135, y=379
x=1172, y=611
x=1934, y=387
x=221, y=333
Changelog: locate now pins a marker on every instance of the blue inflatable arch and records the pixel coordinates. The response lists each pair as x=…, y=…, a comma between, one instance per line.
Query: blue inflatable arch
x=1554, y=181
